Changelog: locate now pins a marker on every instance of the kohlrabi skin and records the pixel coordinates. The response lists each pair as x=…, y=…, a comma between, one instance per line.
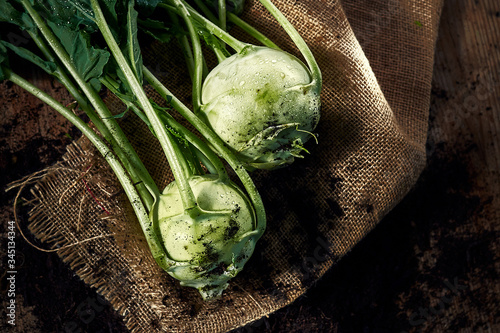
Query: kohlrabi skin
x=211, y=247
x=263, y=104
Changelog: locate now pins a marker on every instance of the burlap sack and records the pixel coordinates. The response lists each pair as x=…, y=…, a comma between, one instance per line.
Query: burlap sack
x=377, y=60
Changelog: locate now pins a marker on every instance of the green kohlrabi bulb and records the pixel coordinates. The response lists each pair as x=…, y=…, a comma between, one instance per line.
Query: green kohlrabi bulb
x=263, y=104
x=212, y=246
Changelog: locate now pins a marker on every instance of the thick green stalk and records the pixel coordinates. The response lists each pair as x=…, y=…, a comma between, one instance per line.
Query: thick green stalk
x=83, y=103
x=126, y=154
x=184, y=43
x=211, y=27
x=167, y=119
x=299, y=41
x=222, y=150
x=222, y=14
x=211, y=161
x=206, y=11
x=129, y=188
x=187, y=48
x=180, y=158
x=112, y=86
x=219, y=54
x=187, y=196
x=235, y=19
x=64, y=78
x=198, y=55
x=188, y=55
x=200, y=145
x=251, y=31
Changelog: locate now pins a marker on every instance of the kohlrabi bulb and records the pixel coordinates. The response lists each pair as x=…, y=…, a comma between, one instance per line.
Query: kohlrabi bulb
x=212, y=246
x=262, y=104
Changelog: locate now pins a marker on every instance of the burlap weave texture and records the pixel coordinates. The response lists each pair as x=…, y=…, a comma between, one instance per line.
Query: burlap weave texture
x=376, y=58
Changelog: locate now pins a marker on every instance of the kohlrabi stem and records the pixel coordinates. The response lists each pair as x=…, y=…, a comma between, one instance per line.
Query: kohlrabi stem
x=83, y=103
x=175, y=126
x=63, y=77
x=68, y=83
x=222, y=14
x=181, y=160
x=219, y=54
x=206, y=11
x=129, y=188
x=111, y=85
x=221, y=23
x=186, y=48
x=118, y=139
x=299, y=41
x=188, y=52
x=197, y=54
x=251, y=31
x=220, y=147
x=212, y=28
x=245, y=26
x=200, y=146
x=211, y=161
x=186, y=193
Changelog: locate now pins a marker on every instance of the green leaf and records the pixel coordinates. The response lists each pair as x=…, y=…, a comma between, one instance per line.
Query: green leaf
x=4, y=61
x=113, y=10
x=132, y=49
x=20, y=18
x=147, y=6
x=120, y=14
x=73, y=24
x=88, y=61
x=26, y=54
x=144, y=118
x=113, y=70
x=120, y=115
x=156, y=29
x=74, y=15
x=209, y=38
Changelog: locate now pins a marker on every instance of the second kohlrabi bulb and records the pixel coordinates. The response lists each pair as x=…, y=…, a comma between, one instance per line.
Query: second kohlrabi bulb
x=262, y=105
x=210, y=247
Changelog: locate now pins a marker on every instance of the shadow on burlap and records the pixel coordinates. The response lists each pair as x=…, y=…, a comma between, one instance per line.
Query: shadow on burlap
x=377, y=60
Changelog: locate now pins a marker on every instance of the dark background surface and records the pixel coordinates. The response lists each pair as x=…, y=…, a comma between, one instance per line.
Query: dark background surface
x=431, y=265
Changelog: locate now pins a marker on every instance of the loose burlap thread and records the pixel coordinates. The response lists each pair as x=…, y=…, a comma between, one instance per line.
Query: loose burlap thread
x=377, y=59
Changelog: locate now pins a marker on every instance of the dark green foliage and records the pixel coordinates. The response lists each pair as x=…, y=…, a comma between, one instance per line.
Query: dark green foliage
x=26, y=54
x=233, y=6
x=211, y=40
